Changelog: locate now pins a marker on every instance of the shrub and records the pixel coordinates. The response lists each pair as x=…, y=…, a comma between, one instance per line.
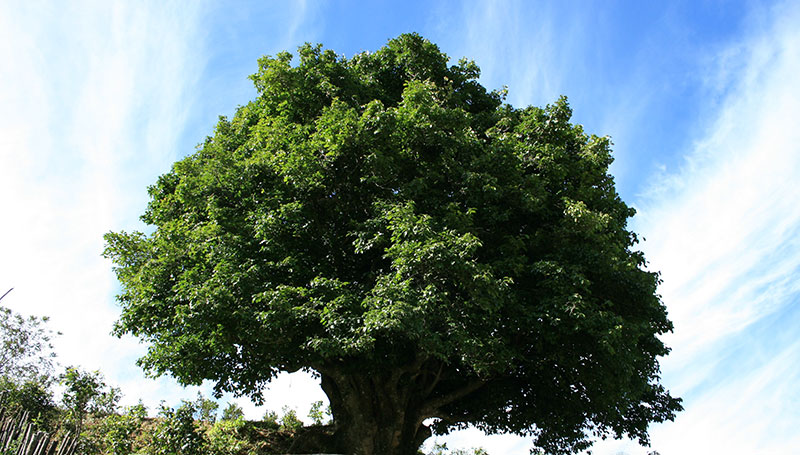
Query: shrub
x=205, y=409
x=271, y=419
x=226, y=438
x=32, y=396
x=232, y=412
x=117, y=434
x=176, y=433
x=317, y=414
x=289, y=421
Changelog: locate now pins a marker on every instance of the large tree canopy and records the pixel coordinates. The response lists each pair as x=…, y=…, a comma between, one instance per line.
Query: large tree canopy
x=426, y=249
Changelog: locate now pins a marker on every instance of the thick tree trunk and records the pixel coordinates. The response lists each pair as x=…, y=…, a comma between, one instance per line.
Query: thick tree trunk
x=376, y=414
x=381, y=412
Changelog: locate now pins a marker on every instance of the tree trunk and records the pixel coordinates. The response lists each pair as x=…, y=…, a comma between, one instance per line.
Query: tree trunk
x=376, y=414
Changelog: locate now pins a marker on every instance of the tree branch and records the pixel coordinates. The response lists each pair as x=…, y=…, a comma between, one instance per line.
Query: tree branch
x=432, y=407
x=415, y=366
x=435, y=381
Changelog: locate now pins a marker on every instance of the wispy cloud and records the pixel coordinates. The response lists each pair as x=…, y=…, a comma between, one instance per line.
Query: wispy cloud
x=724, y=228
x=514, y=46
x=94, y=99
x=95, y=103
x=724, y=233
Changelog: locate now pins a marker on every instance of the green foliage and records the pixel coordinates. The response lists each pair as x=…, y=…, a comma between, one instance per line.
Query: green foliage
x=13, y=447
x=289, y=421
x=233, y=412
x=318, y=414
x=226, y=437
x=31, y=396
x=388, y=223
x=176, y=433
x=118, y=434
x=84, y=393
x=26, y=351
x=205, y=409
x=442, y=449
x=105, y=403
x=271, y=419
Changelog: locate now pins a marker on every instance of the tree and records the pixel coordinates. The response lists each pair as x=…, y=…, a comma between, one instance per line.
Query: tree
x=86, y=392
x=26, y=365
x=117, y=433
x=232, y=412
x=176, y=432
x=289, y=420
x=442, y=449
x=425, y=249
x=318, y=414
x=34, y=397
x=27, y=352
x=205, y=409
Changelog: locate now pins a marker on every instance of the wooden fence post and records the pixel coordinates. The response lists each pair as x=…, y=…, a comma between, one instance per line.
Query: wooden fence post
x=15, y=428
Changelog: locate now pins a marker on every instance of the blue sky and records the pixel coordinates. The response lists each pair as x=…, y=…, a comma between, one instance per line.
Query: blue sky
x=701, y=99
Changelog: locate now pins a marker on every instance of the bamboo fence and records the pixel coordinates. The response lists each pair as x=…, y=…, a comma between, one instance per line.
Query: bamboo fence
x=16, y=432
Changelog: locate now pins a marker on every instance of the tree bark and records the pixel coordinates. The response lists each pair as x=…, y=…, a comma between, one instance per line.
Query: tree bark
x=373, y=415
x=382, y=413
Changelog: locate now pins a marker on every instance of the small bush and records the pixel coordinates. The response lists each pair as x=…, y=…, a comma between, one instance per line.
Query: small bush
x=289, y=421
x=32, y=396
x=205, y=410
x=318, y=415
x=118, y=434
x=271, y=419
x=232, y=412
x=442, y=449
x=226, y=437
x=176, y=433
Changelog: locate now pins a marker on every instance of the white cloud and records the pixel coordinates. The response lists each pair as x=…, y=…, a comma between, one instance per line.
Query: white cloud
x=723, y=229
x=94, y=104
x=513, y=45
x=724, y=233
x=724, y=226
x=94, y=100
x=96, y=95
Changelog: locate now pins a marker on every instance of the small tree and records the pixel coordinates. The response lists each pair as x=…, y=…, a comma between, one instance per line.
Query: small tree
x=442, y=449
x=289, y=420
x=32, y=396
x=205, y=409
x=26, y=365
x=26, y=349
x=318, y=414
x=270, y=417
x=232, y=412
x=176, y=433
x=105, y=403
x=227, y=437
x=117, y=434
x=86, y=392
